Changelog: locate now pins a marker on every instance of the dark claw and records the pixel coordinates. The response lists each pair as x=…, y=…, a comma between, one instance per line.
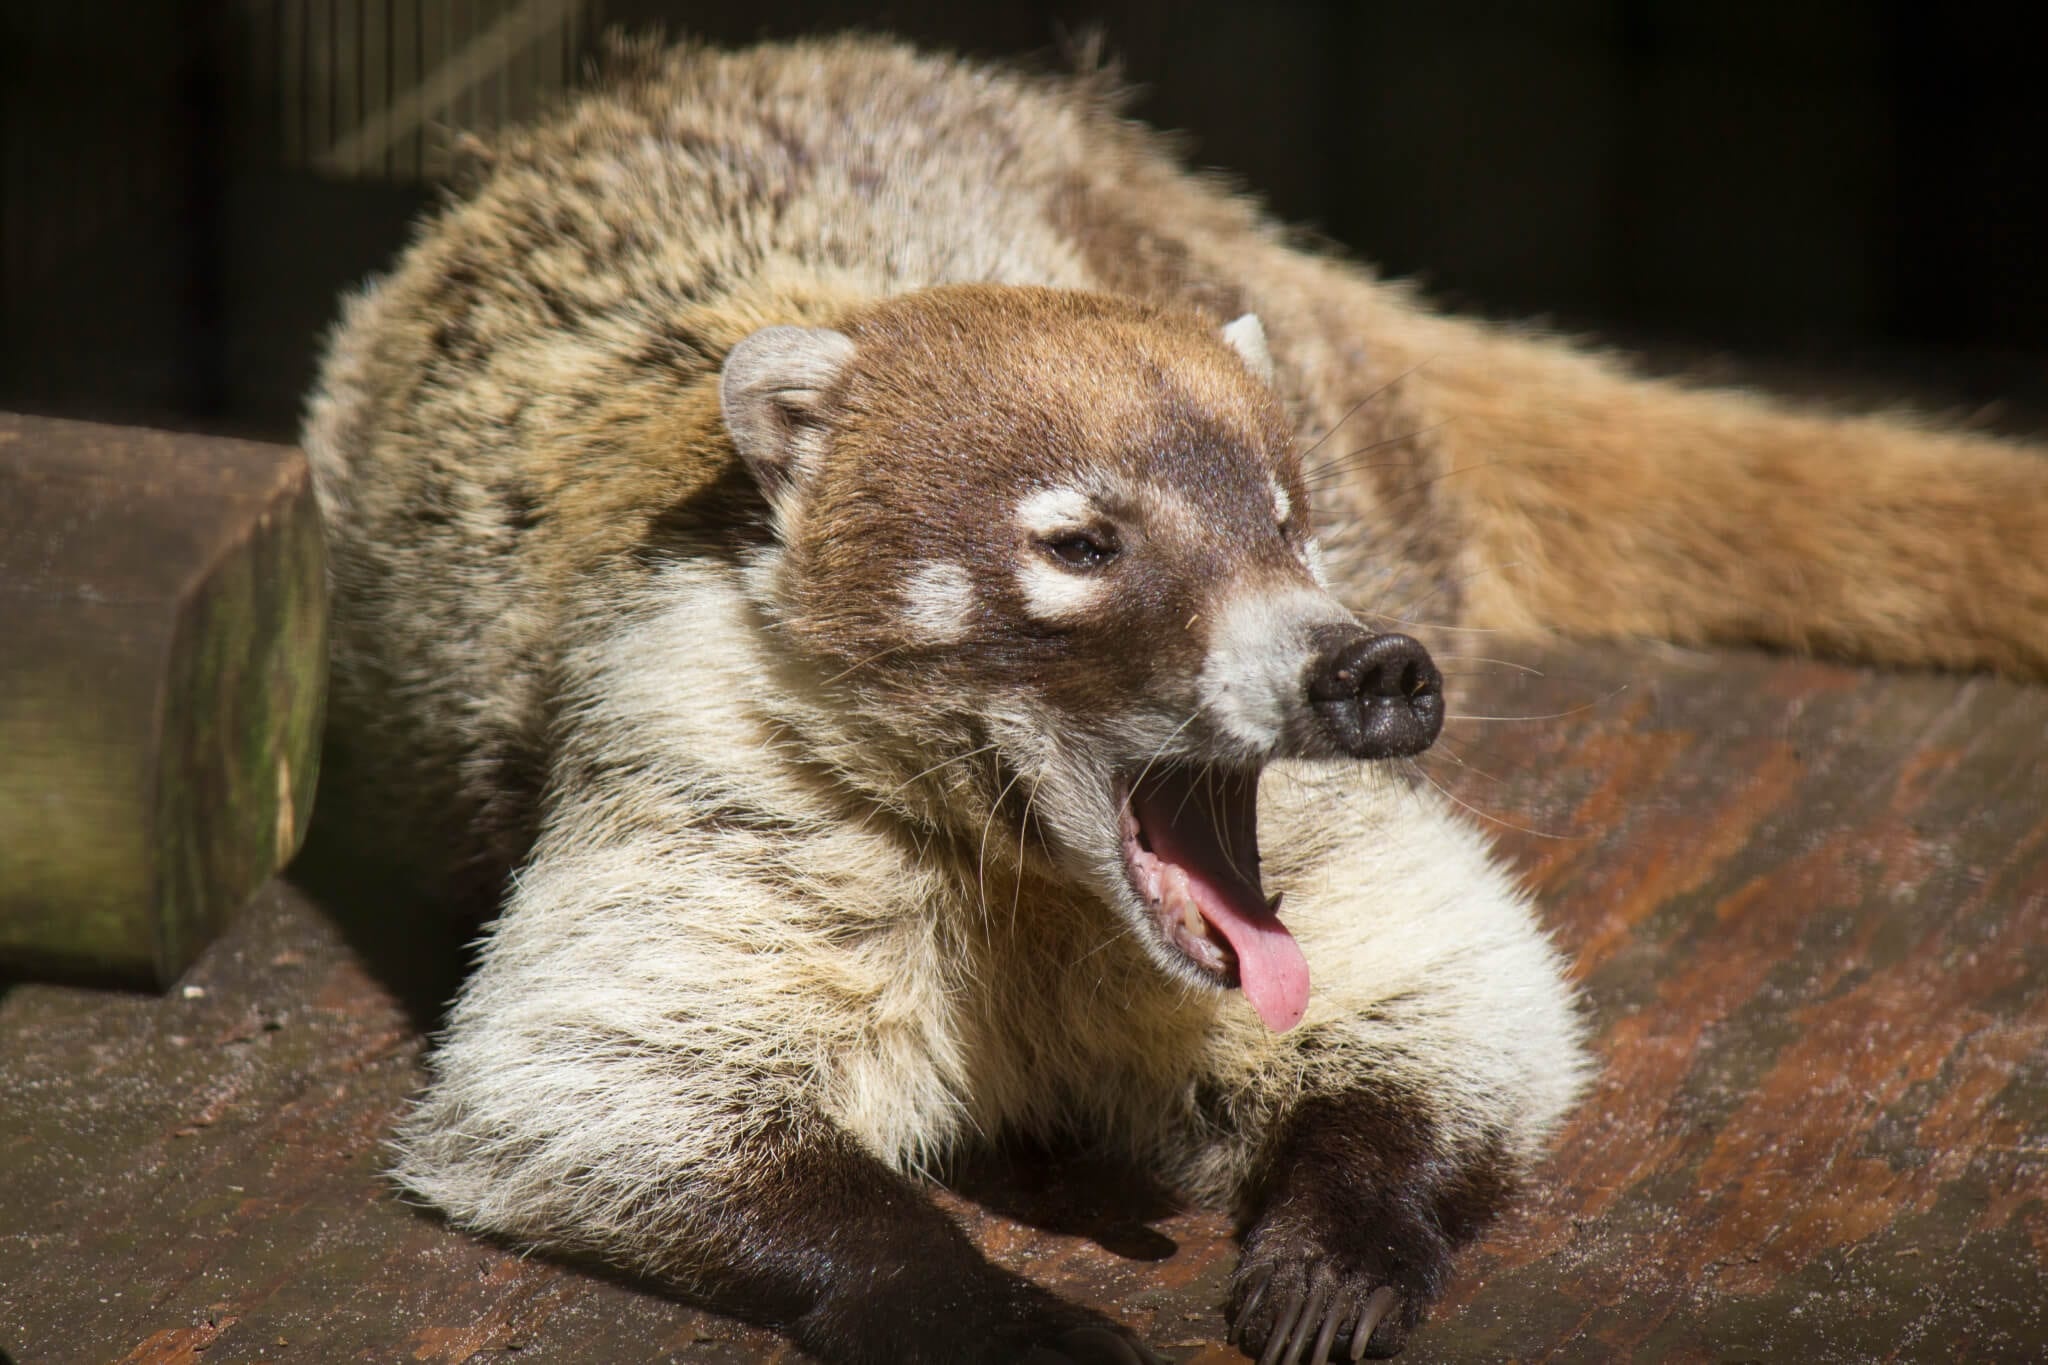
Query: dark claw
x=1321, y=1315
x=1244, y=1312
x=1283, y=1327
x=1378, y=1306
x=1321, y=1354
x=1311, y=1314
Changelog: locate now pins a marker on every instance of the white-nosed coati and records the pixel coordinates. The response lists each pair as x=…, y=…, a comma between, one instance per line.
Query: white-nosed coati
x=824, y=532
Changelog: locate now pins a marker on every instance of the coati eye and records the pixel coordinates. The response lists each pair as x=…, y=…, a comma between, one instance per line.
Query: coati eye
x=1081, y=549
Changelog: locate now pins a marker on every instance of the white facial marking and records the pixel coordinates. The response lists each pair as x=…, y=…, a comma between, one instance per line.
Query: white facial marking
x=1247, y=336
x=1055, y=596
x=1283, y=506
x=1258, y=650
x=1052, y=510
x=938, y=602
x=1318, y=565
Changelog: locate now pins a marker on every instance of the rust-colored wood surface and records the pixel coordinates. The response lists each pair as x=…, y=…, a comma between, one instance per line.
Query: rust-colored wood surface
x=1810, y=907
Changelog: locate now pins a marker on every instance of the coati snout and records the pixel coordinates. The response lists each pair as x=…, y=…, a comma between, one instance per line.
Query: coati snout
x=1377, y=696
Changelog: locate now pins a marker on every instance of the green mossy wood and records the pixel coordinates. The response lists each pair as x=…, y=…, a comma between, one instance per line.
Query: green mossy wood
x=162, y=669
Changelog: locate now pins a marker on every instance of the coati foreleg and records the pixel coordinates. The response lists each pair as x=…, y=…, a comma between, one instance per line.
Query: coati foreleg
x=1363, y=1149
x=639, y=1072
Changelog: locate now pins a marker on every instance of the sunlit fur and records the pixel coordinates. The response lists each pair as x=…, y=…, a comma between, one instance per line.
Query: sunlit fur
x=649, y=970
x=784, y=837
x=1259, y=647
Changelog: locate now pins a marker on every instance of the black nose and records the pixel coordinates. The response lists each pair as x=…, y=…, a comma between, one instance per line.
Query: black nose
x=1377, y=696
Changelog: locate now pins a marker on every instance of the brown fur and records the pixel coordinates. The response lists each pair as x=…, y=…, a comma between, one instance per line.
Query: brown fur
x=586, y=630
x=937, y=448
x=1514, y=482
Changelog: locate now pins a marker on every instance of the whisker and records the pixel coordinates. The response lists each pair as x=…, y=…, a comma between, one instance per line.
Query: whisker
x=981, y=858
x=1224, y=839
x=1529, y=669
x=872, y=658
x=1440, y=748
x=1413, y=603
x=1323, y=473
x=1444, y=749
x=1186, y=797
x=1429, y=625
x=942, y=763
x=1352, y=411
x=1554, y=715
x=1450, y=796
x=885, y=799
x=1121, y=930
x=1022, y=825
x=1475, y=746
x=1157, y=754
x=1502, y=462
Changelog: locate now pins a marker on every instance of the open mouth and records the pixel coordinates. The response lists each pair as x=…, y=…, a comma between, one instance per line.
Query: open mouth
x=1191, y=851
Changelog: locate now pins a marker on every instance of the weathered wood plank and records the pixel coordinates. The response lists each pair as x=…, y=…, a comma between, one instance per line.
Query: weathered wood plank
x=1811, y=918
x=1811, y=908
x=162, y=666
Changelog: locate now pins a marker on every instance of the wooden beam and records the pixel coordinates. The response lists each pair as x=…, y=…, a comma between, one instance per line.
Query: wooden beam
x=162, y=672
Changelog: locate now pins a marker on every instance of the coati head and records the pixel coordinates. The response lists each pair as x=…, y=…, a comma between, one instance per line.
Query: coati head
x=1057, y=544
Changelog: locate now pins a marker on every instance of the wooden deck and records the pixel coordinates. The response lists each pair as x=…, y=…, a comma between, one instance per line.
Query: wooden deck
x=1810, y=911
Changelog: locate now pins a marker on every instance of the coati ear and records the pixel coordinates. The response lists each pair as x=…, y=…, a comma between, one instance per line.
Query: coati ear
x=1247, y=336
x=770, y=391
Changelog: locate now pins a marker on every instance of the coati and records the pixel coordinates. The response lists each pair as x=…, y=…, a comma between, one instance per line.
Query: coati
x=911, y=598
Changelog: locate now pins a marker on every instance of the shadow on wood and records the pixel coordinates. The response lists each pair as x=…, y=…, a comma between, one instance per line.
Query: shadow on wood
x=1810, y=908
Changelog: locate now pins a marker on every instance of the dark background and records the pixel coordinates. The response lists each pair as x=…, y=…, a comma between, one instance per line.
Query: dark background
x=1826, y=185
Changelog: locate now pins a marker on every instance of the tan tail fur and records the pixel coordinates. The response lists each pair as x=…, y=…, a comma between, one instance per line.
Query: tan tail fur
x=1550, y=489
x=1596, y=503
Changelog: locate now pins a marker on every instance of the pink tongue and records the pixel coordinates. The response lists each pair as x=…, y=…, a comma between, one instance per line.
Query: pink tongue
x=1270, y=967
x=1190, y=822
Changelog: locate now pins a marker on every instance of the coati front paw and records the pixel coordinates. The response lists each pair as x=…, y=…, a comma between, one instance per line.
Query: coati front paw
x=1360, y=1212
x=1296, y=1302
